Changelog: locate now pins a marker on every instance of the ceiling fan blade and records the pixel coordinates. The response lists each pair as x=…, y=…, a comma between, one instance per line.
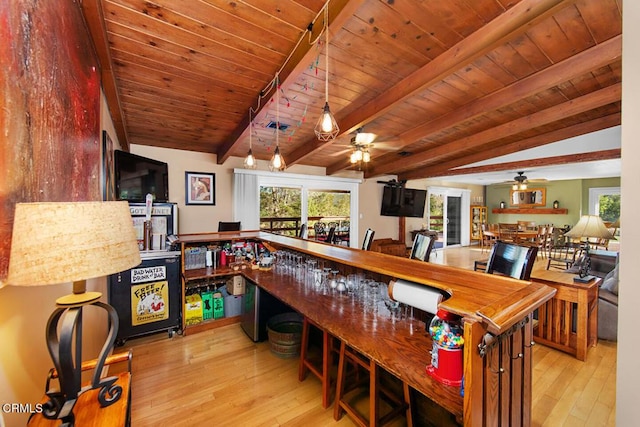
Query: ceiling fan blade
x=340, y=153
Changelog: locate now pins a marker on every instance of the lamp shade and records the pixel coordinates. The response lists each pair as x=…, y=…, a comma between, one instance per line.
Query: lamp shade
x=70, y=241
x=590, y=226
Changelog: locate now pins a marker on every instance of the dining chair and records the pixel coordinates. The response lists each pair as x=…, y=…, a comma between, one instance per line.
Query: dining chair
x=331, y=235
x=527, y=225
x=368, y=239
x=511, y=260
x=562, y=253
x=508, y=232
x=422, y=247
x=487, y=238
x=319, y=230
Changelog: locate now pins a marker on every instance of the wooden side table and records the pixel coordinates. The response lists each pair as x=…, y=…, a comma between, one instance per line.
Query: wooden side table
x=569, y=321
x=87, y=410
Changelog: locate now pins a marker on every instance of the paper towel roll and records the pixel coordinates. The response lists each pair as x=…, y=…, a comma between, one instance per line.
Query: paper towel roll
x=415, y=295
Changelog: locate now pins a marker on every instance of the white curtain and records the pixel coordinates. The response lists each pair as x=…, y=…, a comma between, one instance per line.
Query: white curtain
x=246, y=201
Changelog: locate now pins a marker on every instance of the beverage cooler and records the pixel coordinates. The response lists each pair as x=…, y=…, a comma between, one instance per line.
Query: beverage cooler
x=258, y=307
x=148, y=297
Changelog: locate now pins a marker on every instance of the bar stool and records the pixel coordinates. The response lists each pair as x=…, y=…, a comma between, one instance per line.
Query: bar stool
x=376, y=390
x=306, y=364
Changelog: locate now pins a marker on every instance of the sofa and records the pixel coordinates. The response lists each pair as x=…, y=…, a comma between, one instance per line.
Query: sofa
x=608, y=307
x=604, y=264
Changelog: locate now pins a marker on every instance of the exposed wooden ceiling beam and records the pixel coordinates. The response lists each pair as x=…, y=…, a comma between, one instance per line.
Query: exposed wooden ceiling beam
x=94, y=17
x=591, y=156
x=339, y=12
x=505, y=27
x=443, y=168
x=591, y=59
x=485, y=138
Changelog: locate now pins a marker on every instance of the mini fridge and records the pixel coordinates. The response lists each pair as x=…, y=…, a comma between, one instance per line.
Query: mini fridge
x=147, y=298
x=257, y=308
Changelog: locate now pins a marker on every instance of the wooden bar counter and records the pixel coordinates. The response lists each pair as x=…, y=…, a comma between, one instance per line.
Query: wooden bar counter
x=497, y=326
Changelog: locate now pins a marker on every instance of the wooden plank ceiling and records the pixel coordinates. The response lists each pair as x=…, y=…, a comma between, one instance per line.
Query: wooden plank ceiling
x=442, y=84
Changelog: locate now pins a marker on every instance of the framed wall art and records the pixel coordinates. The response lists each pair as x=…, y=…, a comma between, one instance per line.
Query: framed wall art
x=108, y=173
x=200, y=188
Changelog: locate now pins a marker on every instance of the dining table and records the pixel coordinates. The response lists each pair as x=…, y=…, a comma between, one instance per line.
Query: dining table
x=521, y=235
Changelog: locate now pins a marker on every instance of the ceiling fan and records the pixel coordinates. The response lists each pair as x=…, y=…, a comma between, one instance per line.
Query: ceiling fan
x=520, y=181
x=360, y=147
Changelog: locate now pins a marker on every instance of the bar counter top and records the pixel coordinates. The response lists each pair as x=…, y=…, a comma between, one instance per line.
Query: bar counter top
x=498, y=301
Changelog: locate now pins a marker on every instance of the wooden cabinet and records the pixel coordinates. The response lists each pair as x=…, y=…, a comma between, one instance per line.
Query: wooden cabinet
x=478, y=217
x=197, y=277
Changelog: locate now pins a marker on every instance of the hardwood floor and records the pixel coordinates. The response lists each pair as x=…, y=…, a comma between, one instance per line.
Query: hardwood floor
x=220, y=377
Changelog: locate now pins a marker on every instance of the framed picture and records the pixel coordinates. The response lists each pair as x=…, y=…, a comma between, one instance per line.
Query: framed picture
x=108, y=174
x=200, y=188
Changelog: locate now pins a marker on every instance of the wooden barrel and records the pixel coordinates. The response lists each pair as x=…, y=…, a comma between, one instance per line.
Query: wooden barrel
x=285, y=331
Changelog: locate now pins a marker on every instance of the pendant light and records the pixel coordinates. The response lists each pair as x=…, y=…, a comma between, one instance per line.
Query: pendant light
x=277, y=161
x=250, y=161
x=327, y=128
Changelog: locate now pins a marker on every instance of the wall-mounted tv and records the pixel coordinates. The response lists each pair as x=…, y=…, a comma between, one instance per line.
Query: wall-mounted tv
x=136, y=176
x=400, y=201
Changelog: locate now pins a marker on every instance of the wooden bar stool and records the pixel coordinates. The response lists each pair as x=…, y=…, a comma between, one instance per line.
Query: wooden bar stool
x=321, y=370
x=376, y=391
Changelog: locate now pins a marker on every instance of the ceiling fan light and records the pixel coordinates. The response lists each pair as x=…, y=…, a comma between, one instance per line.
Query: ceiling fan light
x=358, y=154
x=523, y=186
x=514, y=187
x=366, y=157
x=364, y=138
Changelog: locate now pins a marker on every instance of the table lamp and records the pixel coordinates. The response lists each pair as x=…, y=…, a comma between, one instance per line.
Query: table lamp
x=588, y=227
x=71, y=242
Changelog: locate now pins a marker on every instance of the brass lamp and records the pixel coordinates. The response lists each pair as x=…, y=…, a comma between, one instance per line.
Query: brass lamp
x=588, y=227
x=70, y=242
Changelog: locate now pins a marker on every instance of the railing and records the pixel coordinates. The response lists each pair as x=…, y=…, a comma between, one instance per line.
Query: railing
x=436, y=223
x=289, y=226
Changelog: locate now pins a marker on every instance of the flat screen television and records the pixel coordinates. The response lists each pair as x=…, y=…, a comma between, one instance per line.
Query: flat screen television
x=136, y=176
x=399, y=201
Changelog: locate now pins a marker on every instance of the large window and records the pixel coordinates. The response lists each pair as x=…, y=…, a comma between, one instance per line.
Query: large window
x=281, y=202
x=280, y=210
x=605, y=202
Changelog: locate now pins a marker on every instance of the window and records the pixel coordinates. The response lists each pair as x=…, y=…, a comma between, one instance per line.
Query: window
x=280, y=210
x=605, y=202
x=295, y=197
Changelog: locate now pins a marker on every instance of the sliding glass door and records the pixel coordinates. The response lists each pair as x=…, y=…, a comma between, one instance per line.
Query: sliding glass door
x=446, y=215
x=454, y=220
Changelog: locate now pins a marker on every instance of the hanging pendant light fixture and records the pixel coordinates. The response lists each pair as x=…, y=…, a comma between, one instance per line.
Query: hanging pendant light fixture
x=327, y=128
x=250, y=161
x=277, y=161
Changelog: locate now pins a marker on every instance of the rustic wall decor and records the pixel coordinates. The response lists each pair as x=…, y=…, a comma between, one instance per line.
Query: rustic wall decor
x=49, y=111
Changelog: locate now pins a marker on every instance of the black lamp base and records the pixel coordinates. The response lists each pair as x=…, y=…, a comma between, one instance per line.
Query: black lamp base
x=64, y=341
x=585, y=279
